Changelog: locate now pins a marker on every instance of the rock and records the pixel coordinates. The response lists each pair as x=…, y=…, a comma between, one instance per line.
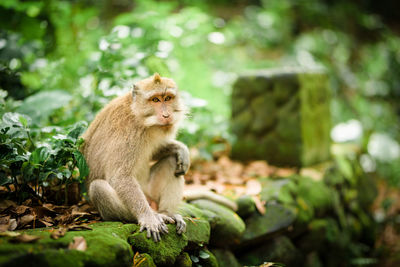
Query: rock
x=203, y=257
x=106, y=246
x=279, y=250
x=143, y=260
x=164, y=252
x=197, y=226
x=285, y=119
x=183, y=260
x=225, y=258
x=226, y=226
x=211, y=261
x=260, y=228
x=246, y=206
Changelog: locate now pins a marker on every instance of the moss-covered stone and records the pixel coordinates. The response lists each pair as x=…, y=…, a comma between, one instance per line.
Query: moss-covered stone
x=183, y=260
x=108, y=237
x=226, y=227
x=197, y=225
x=225, y=258
x=210, y=261
x=286, y=120
x=246, y=206
x=164, y=252
x=280, y=250
x=143, y=260
x=262, y=227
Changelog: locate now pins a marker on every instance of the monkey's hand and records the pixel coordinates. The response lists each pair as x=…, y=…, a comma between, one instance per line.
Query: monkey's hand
x=174, y=218
x=180, y=224
x=182, y=160
x=154, y=225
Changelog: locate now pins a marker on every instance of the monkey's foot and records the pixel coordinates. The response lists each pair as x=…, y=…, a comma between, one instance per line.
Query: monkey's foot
x=180, y=223
x=154, y=226
x=165, y=218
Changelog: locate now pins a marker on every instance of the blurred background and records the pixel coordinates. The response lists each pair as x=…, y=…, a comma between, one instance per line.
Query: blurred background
x=61, y=61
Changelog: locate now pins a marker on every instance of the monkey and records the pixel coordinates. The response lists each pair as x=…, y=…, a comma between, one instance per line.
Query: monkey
x=128, y=134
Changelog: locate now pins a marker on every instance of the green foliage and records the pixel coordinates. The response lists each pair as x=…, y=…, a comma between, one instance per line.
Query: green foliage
x=31, y=166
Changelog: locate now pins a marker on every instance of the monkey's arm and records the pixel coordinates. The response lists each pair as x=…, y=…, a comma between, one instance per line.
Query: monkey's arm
x=181, y=152
x=134, y=199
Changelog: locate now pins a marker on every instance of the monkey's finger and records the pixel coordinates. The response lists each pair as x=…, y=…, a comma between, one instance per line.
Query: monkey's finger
x=148, y=233
x=156, y=236
x=164, y=229
x=141, y=228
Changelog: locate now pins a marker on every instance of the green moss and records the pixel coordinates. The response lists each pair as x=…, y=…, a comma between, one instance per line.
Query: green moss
x=109, y=237
x=246, y=206
x=315, y=117
x=164, y=252
x=227, y=228
x=143, y=260
x=211, y=261
x=183, y=260
x=225, y=258
x=261, y=227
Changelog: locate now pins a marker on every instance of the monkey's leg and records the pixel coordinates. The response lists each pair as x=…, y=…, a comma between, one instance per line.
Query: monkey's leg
x=107, y=202
x=167, y=190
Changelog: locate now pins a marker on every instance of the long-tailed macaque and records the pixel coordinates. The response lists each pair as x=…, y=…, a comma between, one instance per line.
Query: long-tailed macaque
x=125, y=137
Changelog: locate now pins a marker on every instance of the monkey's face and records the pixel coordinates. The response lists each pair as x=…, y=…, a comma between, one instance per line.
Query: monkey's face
x=158, y=101
x=163, y=106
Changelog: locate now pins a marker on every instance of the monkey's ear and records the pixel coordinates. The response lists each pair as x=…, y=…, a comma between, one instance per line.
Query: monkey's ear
x=156, y=78
x=134, y=91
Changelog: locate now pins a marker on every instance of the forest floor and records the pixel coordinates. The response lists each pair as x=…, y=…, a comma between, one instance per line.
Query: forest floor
x=223, y=176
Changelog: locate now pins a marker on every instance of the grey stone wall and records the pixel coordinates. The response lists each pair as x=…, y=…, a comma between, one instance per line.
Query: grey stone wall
x=282, y=116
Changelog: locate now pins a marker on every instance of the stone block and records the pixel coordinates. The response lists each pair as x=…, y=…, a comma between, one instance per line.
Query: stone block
x=282, y=116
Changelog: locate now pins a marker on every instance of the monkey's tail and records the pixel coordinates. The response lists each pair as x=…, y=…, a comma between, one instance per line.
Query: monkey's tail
x=193, y=195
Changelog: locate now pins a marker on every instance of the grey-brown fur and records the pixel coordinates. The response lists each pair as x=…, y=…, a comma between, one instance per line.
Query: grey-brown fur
x=126, y=135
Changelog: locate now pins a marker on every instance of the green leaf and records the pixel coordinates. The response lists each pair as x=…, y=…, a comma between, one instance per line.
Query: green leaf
x=78, y=129
x=43, y=104
x=203, y=254
x=194, y=258
x=39, y=155
x=4, y=179
x=23, y=120
x=81, y=164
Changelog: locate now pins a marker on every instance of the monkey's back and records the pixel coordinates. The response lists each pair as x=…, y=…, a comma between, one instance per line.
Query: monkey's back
x=108, y=136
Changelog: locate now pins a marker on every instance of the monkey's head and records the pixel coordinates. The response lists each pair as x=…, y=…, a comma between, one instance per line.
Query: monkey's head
x=157, y=101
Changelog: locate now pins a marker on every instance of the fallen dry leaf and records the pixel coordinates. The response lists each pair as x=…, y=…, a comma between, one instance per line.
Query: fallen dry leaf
x=26, y=219
x=13, y=225
x=79, y=243
x=5, y=204
x=253, y=187
x=57, y=233
x=80, y=227
x=25, y=238
x=9, y=233
x=260, y=204
x=19, y=210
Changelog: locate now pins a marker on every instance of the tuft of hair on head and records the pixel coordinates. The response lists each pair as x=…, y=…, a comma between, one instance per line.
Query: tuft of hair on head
x=156, y=78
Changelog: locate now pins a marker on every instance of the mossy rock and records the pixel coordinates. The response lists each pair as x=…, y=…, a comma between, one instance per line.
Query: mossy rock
x=259, y=227
x=226, y=226
x=279, y=250
x=106, y=246
x=246, y=206
x=183, y=260
x=225, y=258
x=198, y=228
x=286, y=108
x=164, y=252
x=143, y=260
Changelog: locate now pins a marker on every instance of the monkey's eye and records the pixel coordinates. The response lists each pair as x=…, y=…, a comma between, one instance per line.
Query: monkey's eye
x=167, y=98
x=155, y=99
